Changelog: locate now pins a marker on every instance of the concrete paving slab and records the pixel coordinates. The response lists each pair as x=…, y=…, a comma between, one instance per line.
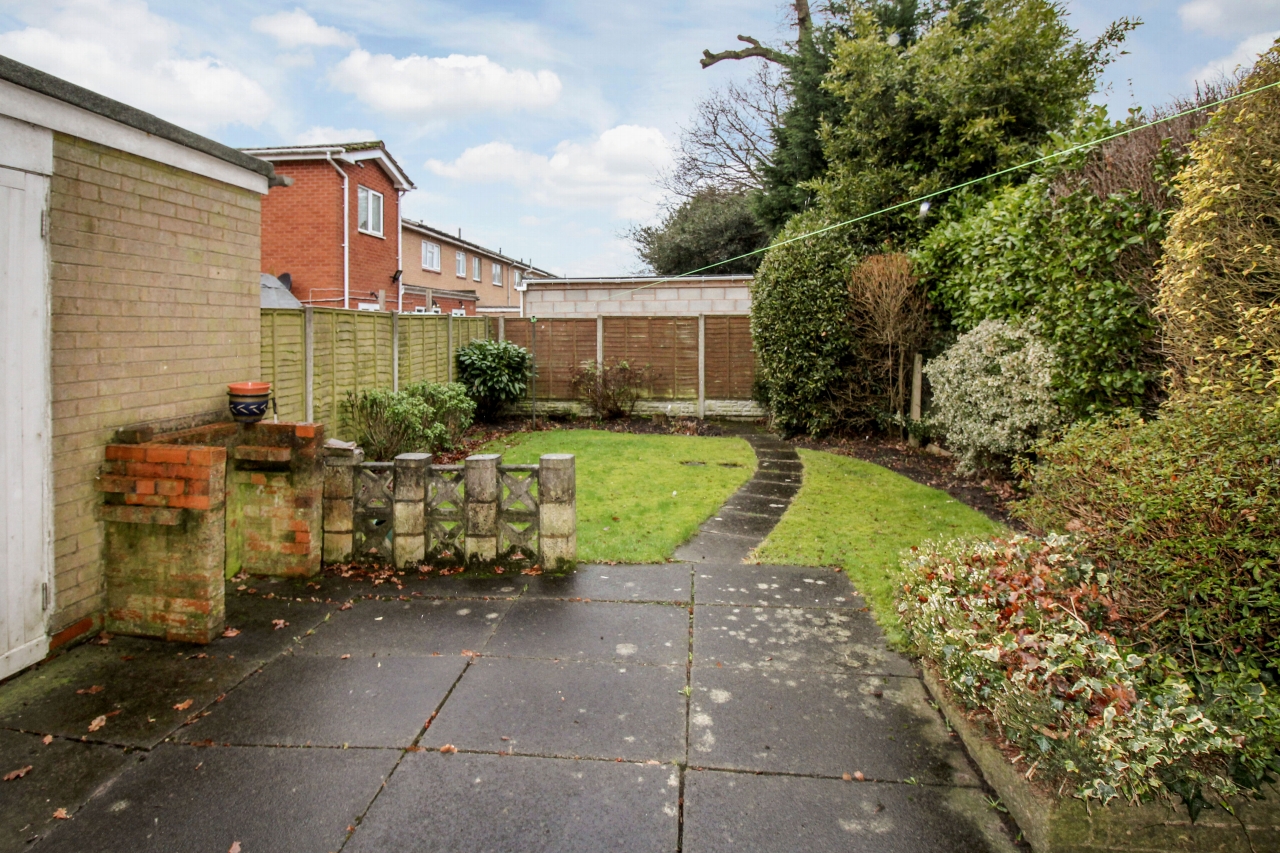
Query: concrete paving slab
x=757, y=505
x=779, y=488
x=530, y=805
x=596, y=630
x=745, y=813
x=733, y=523
x=822, y=724
x=418, y=628
x=568, y=709
x=663, y=583
x=792, y=639
x=784, y=466
x=63, y=774
x=711, y=547
x=125, y=691
x=774, y=586
x=313, y=701
x=187, y=799
x=766, y=477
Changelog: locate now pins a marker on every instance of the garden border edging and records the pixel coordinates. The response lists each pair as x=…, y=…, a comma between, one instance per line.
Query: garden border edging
x=1065, y=825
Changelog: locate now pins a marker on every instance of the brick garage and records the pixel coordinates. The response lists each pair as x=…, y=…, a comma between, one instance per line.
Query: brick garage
x=152, y=256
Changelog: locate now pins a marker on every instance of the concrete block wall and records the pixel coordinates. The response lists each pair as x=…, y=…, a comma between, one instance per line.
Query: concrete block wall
x=155, y=299
x=570, y=301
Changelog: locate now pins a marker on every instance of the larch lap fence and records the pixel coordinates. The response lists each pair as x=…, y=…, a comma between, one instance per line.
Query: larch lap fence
x=313, y=356
x=699, y=365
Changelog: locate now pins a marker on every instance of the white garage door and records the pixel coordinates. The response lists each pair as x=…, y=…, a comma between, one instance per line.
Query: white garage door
x=26, y=530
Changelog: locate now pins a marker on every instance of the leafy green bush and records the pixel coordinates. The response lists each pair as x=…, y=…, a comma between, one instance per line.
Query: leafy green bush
x=1184, y=511
x=708, y=227
x=805, y=347
x=450, y=406
x=1026, y=631
x=1065, y=269
x=494, y=374
x=1218, y=291
x=611, y=390
x=387, y=423
x=991, y=394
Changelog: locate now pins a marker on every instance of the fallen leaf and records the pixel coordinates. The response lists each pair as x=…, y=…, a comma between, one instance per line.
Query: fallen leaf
x=46, y=740
x=102, y=639
x=504, y=737
x=345, y=657
x=61, y=814
x=414, y=749
x=859, y=776
x=98, y=722
x=346, y=606
x=448, y=748
x=467, y=653
x=231, y=632
x=277, y=624
x=235, y=847
x=126, y=658
x=200, y=656
x=242, y=588
x=182, y=706
x=17, y=774
x=97, y=688
x=847, y=777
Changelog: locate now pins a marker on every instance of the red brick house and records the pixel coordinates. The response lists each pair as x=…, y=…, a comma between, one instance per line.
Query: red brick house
x=334, y=235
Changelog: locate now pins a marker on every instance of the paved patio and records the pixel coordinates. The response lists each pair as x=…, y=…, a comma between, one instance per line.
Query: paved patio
x=694, y=706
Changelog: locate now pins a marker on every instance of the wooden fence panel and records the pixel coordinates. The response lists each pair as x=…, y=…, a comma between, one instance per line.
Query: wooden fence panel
x=730, y=358
x=668, y=346
x=284, y=360
x=424, y=349
x=561, y=346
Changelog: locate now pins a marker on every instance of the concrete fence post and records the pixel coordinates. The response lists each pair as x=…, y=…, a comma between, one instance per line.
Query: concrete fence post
x=340, y=466
x=600, y=344
x=557, y=510
x=448, y=347
x=917, y=391
x=395, y=351
x=702, y=365
x=309, y=363
x=410, y=518
x=481, y=496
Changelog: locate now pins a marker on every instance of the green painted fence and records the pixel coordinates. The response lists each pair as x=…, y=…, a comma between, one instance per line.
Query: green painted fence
x=313, y=356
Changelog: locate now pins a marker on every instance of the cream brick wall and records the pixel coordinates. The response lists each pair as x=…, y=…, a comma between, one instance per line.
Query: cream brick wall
x=155, y=308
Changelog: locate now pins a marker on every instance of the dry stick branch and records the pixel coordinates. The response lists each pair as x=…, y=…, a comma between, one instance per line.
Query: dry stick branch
x=756, y=50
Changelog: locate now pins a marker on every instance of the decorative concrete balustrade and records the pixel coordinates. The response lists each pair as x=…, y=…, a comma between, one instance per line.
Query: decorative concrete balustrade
x=409, y=510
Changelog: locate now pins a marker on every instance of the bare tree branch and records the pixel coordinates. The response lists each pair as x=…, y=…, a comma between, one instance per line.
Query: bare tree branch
x=709, y=59
x=731, y=137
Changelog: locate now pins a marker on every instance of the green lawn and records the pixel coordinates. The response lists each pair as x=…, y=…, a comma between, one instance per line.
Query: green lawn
x=636, y=501
x=859, y=516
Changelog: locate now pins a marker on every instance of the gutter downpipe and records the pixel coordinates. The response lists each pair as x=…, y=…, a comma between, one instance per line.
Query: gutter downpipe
x=346, y=230
x=400, y=248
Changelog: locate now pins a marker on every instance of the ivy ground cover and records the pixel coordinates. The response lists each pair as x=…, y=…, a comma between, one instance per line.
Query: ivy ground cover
x=861, y=517
x=638, y=496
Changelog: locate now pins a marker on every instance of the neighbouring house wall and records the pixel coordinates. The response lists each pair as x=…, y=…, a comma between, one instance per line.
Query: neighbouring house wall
x=155, y=308
x=374, y=260
x=723, y=296
x=302, y=231
x=490, y=295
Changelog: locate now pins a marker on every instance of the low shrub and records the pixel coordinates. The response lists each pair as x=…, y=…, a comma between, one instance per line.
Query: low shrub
x=387, y=423
x=1184, y=511
x=992, y=394
x=611, y=391
x=450, y=406
x=495, y=374
x=1028, y=631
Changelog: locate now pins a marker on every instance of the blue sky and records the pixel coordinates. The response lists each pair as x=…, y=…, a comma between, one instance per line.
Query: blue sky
x=537, y=127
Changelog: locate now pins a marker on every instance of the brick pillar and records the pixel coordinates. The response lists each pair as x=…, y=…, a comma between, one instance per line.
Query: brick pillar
x=339, y=502
x=557, y=511
x=481, y=494
x=410, y=538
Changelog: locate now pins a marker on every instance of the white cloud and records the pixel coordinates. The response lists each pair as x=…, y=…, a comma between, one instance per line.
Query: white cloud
x=1228, y=18
x=1245, y=54
x=332, y=135
x=298, y=29
x=424, y=88
x=120, y=49
x=616, y=171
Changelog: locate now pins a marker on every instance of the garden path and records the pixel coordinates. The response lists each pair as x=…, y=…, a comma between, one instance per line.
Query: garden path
x=693, y=706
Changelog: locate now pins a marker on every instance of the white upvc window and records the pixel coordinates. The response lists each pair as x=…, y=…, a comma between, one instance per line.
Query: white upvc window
x=497, y=274
x=430, y=256
x=460, y=264
x=475, y=269
x=369, y=205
